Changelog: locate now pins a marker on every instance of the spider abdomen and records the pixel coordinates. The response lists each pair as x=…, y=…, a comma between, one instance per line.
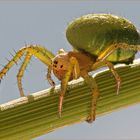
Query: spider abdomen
x=95, y=32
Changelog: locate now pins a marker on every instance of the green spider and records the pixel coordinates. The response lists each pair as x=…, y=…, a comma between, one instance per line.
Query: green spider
x=98, y=40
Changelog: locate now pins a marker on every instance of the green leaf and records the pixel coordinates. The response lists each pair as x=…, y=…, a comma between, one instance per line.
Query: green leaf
x=37, y=114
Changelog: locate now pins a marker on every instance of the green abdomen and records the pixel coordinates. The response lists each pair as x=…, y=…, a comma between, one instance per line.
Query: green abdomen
x=95, y=32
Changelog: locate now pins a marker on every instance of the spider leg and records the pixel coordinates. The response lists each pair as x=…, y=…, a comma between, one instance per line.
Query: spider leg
x=21, y=72
x=116, y=75
x=52, y=83
x=109, y=50
x=103, y=63
x=101, y=60
x=95, y=93
x=38, y=51
x=11, y=63
x=93, y=85
x=74, y=69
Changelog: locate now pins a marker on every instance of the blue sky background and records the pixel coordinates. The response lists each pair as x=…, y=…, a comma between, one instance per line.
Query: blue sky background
x=44, y=23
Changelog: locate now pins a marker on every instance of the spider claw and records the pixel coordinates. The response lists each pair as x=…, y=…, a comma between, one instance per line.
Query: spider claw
x=90, y=119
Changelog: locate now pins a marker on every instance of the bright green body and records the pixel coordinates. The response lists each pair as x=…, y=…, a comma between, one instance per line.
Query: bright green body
x=95, y=32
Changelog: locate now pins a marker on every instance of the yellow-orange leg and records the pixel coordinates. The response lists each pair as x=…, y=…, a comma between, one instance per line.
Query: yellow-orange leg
x=38, y=51
x=116, y=75
x=11, y=63
x=101, y=60
x=21, y=72
x=102, y=63
x=93, y=85
x=51, y=82
x=109, y=50
x=95, y=94
x=73, y=68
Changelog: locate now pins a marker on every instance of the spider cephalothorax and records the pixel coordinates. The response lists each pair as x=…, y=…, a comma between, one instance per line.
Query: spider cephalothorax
x=98, y=40
x=60, y=65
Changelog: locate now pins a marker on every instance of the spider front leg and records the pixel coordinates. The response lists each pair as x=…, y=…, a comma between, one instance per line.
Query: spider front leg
x=51, y=82
x=21, y=73
x=38, y=51
x=74, y=71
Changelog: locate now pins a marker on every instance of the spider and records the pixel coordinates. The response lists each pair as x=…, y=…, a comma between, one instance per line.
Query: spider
x=98, y=40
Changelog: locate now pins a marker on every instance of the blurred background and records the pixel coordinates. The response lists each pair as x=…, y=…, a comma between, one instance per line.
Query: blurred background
x=40, y=22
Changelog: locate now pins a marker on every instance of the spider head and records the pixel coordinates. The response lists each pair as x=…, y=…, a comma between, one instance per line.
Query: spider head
x=60, y=65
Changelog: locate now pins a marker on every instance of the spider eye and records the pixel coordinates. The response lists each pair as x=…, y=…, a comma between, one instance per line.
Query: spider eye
x=54, y=66
x=55, y=62
x=61, y=66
